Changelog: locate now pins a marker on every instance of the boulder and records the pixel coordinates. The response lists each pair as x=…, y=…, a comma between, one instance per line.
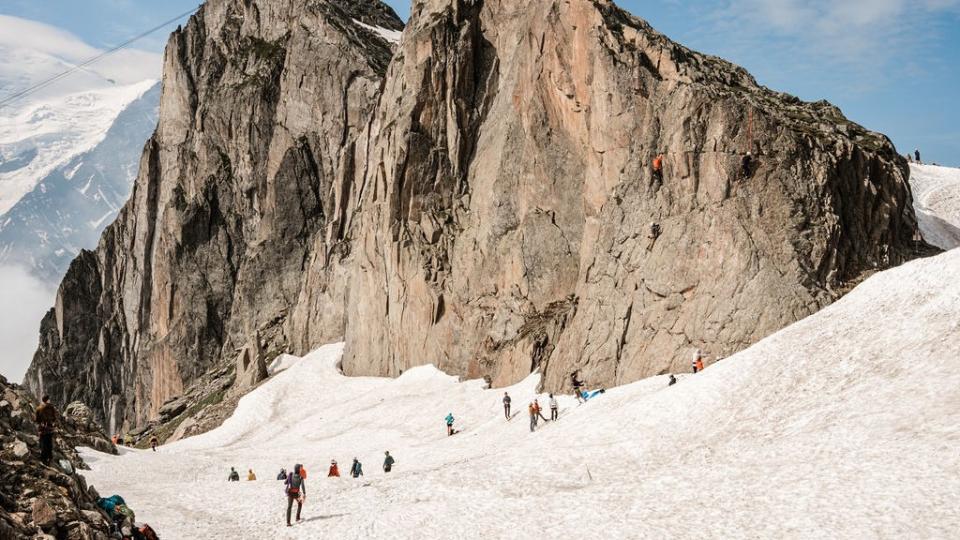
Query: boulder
x=43, y=514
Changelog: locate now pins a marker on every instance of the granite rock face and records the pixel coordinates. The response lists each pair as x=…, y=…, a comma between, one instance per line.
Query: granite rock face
x=233, y=225
x=509, y=197
x=478, y=196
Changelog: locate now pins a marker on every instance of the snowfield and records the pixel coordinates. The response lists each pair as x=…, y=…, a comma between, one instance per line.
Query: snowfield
x=844, y=425
x=936, y=199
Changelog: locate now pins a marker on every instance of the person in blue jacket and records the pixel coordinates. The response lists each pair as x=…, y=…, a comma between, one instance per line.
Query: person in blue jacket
x=449, y=424
x=356, y=470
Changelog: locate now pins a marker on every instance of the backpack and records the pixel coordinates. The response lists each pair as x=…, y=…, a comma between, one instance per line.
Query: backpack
x=294, y=481
x=125, y=511
x=148, y=532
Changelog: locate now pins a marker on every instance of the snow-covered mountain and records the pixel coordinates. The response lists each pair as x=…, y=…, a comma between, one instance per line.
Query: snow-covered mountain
x=68, y=152
x=70, y=206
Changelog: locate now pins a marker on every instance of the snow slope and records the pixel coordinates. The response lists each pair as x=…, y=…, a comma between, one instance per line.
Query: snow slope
x=936, y=199
x=844, y=425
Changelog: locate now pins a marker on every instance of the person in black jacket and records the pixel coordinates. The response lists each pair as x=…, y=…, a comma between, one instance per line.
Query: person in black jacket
x=356, y=470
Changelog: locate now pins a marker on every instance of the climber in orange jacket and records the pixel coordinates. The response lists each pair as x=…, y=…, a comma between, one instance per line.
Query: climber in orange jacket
x=658, y=169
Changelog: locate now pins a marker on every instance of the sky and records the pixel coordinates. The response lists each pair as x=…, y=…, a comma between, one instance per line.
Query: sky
x=891, y=65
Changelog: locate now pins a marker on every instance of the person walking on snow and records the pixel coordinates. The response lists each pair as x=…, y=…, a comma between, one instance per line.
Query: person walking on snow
x=356, y=470
x=577, y=386
x=506, y=405
x=46, y=420
x=449, y=420
x=234, y=475
x=388, y=462
x=282, y=475
x=250, y=476
x=554, y=408
x=534, y=410
x=296, y=490
x=673, y=380
x=334, y=470
x=154, y=442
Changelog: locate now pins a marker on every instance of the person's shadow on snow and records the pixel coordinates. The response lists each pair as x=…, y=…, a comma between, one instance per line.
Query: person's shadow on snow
x=317, y=518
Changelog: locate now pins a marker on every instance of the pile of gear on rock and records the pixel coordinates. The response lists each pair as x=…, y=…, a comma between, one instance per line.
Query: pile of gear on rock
x=123, y=520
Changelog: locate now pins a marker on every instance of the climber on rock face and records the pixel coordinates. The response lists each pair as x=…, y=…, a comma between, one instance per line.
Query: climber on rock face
x=745, y=165
x=657, y=166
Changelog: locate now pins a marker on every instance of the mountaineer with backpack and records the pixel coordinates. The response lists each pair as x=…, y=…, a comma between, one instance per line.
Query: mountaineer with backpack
x=388, y=462
x=449, y=420
x=296, y=490
x=234, y=475
x=356, y=470
x=506, y=405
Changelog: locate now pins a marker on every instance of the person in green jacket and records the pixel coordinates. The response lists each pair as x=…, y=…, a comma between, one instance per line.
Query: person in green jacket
x=388, y=462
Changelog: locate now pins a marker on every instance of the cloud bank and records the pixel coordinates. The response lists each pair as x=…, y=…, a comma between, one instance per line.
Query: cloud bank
x=23, y=302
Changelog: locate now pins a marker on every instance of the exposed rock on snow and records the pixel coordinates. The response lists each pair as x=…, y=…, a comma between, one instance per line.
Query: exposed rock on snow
x=482, y=203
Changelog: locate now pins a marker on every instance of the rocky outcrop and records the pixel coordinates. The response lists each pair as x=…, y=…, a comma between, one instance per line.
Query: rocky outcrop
x=234, y=224
x=36, y=499
x=508, y=199
x=478, y=196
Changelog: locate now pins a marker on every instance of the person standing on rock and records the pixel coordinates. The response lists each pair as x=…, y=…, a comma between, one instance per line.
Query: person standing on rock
x=46, y=419
x=356, y=470
x=554, y=408
x=296, y=490
x=506, y=405
x=388, y=462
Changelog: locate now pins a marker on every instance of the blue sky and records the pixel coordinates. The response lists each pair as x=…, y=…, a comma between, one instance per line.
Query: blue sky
x=891, y=65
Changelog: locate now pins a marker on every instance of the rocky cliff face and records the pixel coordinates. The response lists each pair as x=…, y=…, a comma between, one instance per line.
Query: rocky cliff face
x=482, y=203
x=509, y=197
x=235, y=214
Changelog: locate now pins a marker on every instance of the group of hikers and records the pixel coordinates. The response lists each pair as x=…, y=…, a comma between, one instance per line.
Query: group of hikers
x=294, y=482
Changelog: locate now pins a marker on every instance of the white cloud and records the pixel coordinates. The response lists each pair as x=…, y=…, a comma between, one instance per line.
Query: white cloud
x=23, y=302
x=31, y=52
